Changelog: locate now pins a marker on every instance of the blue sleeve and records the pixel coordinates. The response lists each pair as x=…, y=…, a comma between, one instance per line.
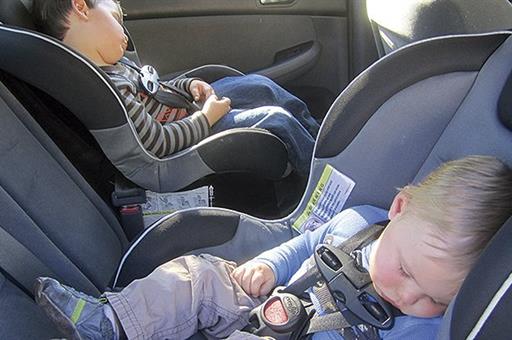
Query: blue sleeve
x=411, y=328
x=287, y=258
x=405, y=328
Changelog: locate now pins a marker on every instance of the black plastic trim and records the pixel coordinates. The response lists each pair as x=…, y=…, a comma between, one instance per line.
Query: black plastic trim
x=246, y=150
x=490, y=272
x=64, y=74
x=182, y=233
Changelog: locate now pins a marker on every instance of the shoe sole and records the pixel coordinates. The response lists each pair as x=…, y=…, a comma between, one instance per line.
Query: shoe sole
x=63, y=323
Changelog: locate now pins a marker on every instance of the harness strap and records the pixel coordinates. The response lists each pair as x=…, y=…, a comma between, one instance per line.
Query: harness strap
x=164, y=92
x=332, y=318
x=362, y=238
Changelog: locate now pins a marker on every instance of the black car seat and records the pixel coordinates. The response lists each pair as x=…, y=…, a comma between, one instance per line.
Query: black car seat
x=396, y=23
x=244, y=150
x=448, y=97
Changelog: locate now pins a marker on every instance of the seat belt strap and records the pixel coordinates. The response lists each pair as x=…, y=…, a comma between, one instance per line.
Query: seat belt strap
x=363, y=237
x=20, y=263
x=128, y=197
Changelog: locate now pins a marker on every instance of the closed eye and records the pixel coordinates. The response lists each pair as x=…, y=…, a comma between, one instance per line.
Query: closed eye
x=403, y=272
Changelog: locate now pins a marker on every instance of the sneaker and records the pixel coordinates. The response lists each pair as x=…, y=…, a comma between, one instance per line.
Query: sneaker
x=76, y=315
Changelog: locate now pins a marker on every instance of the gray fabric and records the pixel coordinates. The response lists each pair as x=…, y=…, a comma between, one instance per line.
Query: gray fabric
x=50, y=209
x=121, y=146
x=444, y=330
x=476, y=128
x=399, y=22
x=392, y=146
x=20, y=263
x=251, y=238
x=20, y=318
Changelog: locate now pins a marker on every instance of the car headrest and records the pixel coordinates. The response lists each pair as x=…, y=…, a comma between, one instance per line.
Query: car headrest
x=505, y=104
x=483, y=305
x=16, y=13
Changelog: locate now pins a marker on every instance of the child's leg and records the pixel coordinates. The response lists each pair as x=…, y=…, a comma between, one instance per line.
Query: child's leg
x=183, y=296
x=298, y=141
x=251, y=91
x=176, y=300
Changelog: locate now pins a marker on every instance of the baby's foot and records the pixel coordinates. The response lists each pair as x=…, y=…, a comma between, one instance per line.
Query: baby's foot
x=77, y=315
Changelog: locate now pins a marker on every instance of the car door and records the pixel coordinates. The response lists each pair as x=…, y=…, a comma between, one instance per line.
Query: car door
x=301, y=44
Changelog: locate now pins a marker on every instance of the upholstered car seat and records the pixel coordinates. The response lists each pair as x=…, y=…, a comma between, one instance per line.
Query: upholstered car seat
x=36, y=58
x=97, y=104
x=422, y=105
x=426, y=103
x=396, y=23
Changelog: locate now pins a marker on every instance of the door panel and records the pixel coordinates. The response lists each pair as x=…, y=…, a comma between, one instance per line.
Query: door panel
x=302, y=45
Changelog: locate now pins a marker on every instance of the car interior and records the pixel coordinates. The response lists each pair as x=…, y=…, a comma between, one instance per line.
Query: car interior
x=398, y=86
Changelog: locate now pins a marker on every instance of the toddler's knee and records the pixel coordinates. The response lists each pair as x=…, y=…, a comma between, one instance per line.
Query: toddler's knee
x=259, y=78
x=279, y=112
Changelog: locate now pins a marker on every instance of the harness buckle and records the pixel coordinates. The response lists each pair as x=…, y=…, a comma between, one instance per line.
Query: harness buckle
x=352, y=287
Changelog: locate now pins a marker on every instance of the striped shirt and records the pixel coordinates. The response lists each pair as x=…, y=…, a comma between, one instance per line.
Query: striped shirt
x=163, y=130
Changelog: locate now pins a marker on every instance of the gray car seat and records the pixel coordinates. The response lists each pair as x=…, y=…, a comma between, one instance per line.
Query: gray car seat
x=441, y=104
x=396, y=23
x=448, y=97
x=244, y=150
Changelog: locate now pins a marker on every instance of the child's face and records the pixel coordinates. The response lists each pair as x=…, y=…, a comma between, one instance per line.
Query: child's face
x=102, y=35
x=111, y=40
x=406, y=266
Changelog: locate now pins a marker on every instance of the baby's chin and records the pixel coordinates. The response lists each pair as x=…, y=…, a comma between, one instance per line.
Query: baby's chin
x=426, y=314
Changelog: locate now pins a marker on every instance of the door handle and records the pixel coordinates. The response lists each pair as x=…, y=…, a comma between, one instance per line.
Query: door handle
x=275, y=2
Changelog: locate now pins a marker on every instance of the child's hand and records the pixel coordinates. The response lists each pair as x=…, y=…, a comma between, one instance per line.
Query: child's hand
x=200, y=90
x=255, y=278
x=214, y=108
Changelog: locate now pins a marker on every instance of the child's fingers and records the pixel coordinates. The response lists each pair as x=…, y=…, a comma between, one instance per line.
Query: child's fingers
x=196, y=94
x=266, y=287
x=238, y=274
x=258, y=279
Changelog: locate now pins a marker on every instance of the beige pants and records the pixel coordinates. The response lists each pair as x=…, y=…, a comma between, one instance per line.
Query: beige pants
x=182, y=296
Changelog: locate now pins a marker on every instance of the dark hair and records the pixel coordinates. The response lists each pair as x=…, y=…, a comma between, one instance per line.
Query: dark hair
x=51, y=16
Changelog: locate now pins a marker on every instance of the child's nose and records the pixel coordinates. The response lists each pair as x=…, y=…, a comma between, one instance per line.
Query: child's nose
x=408, y=297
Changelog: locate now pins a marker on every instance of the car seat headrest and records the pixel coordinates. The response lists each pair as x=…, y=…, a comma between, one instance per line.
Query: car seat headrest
x=505, y=104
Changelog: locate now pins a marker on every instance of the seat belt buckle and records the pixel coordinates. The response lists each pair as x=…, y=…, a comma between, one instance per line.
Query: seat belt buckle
x=282, y=313
x=128, y=197
x=131, y=219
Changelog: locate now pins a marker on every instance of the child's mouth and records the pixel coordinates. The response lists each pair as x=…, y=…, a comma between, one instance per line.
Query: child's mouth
x=385, y=297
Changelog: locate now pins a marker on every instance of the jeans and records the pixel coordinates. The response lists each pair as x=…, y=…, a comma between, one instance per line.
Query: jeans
x=259, y=102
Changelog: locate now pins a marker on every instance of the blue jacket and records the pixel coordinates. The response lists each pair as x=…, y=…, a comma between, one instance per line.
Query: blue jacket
x=287, y=260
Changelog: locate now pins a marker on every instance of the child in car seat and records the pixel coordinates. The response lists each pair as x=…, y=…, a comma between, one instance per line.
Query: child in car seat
x=94, y=28
x=436, y=232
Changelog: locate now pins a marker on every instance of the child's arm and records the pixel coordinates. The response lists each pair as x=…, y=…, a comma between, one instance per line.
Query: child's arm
x=286, y=259
x=164, y=140
x=198, y=89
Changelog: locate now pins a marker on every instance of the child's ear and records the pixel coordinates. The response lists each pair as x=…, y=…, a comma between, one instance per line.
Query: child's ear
x=80, y=8
x=398, y=206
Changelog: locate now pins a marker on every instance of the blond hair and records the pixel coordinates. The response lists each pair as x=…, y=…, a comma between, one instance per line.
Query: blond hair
x=466, y=201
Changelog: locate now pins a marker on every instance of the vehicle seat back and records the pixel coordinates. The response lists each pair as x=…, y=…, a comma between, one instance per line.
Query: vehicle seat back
x=399, y=22
x=50, y=214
